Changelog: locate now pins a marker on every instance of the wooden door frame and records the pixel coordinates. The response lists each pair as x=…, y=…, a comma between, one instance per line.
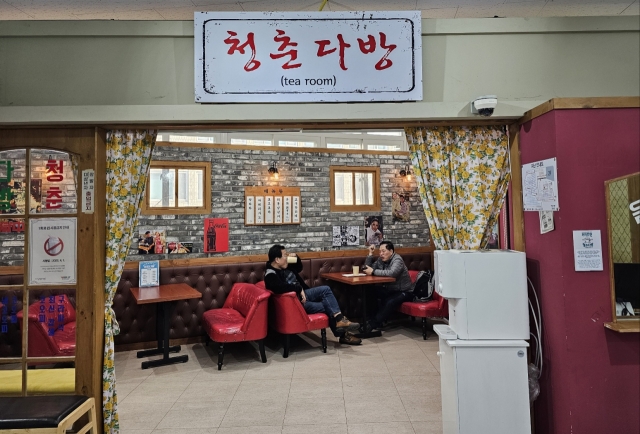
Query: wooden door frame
x=89, y=146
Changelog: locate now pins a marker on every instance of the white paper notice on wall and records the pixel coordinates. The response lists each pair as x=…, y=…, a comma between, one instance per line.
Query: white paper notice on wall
x=546, y=221
x=52, y=251
x=287, y=209
x=250, y=214
x=88, y=191
x=540, y=186
x=278, y=209
x=268, y=209
x=587, y=250
x=295, y=209
x=259, y=210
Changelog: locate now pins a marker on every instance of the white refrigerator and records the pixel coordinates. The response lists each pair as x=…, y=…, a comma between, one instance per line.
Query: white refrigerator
x=483, y=363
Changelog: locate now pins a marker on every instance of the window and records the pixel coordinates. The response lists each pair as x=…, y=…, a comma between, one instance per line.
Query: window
x=178, y=188
x=355, y=188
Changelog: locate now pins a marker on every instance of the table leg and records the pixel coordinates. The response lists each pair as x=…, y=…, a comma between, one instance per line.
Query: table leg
x=163, y=323
x=373, y=334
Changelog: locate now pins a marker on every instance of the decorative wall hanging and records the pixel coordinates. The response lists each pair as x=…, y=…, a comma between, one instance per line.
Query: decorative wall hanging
x=216, y=235
x=346, y=236
x=272, y=206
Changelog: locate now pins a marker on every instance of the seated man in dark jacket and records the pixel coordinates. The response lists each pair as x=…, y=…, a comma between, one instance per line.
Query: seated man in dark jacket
x=282, y=276
x=389, y=264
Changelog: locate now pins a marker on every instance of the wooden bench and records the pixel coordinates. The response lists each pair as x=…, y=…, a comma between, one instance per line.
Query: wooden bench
x=52, y=414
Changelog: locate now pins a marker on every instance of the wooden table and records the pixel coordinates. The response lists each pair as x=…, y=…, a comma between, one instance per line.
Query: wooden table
x=360, y=281
x=163, y=295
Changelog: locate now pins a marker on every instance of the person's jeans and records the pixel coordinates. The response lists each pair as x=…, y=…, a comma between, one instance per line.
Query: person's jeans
x=321, y=300
x=391, y=301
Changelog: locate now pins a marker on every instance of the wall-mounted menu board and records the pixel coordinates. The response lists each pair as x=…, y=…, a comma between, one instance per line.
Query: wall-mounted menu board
x=272, y=206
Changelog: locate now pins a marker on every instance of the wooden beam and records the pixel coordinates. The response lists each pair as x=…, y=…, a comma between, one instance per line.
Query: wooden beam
x=221, y=260
x=580, y=103
x=517, y=207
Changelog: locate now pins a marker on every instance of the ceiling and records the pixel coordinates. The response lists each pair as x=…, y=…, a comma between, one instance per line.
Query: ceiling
x=184, y=9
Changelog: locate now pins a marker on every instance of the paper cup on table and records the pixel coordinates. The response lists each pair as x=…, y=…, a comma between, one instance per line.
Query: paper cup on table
x=356, y=269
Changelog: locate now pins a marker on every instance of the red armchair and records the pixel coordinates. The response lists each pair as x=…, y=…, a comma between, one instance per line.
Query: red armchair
x=437, y=307
x=288, y=317
x=242, y=318
x=52, y=327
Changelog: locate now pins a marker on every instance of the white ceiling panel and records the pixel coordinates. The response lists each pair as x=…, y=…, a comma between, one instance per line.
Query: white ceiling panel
x=439, y=13
x=183, y=9
x=634, y=9
x=277, y=5
x=582, y=10
x=531, y=9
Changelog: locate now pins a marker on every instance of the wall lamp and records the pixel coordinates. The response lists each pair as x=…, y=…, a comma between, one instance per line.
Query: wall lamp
x=406, y=173
x=273, y=170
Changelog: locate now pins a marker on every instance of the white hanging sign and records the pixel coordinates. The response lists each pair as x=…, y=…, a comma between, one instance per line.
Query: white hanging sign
x=88, y=191
x=305, y=57
x=52, y=251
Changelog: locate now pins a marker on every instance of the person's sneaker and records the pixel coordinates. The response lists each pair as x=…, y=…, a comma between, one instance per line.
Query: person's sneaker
x=350, y=339
x=345, y=324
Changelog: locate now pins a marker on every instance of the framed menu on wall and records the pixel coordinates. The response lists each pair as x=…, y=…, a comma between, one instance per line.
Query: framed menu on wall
x=266, y=206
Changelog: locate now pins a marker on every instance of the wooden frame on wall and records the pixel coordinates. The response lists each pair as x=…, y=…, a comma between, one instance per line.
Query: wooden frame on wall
x=376, y=206
x=205, y=166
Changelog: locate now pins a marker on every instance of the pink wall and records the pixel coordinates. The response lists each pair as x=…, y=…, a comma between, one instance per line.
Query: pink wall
x=591, y=377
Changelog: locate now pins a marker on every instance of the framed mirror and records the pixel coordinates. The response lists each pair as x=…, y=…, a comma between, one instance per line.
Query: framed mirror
x=623, y=220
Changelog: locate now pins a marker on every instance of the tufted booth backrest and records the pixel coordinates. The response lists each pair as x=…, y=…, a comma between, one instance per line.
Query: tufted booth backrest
x=349, y=299
x=137, y=322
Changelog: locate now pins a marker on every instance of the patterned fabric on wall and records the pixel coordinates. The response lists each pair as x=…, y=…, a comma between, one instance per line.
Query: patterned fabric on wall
x=128, y=158
x=462, y=175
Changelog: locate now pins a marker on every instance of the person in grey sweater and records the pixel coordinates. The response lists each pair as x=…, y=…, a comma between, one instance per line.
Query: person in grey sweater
x=393, y=294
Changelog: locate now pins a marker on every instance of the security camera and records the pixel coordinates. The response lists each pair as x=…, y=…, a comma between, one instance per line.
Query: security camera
x=484, y=105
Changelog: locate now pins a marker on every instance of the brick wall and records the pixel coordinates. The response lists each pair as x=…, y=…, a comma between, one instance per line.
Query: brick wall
x=234, y=169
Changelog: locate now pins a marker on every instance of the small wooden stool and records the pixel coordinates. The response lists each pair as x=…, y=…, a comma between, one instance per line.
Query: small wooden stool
x=47, y=414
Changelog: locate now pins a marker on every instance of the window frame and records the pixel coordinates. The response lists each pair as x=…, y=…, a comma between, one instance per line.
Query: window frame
x=376, y=206
x=178, y=210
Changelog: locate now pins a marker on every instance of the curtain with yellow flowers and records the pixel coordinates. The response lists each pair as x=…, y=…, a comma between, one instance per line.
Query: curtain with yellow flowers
x=462, y=174
x=128, y=157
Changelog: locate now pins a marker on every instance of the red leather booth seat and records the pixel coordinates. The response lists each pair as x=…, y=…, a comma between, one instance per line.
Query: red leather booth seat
x=288, y=317
x=437, y=307
x=242, y=318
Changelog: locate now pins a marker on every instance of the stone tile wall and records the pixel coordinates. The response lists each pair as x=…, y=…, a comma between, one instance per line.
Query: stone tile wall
x=233, y=169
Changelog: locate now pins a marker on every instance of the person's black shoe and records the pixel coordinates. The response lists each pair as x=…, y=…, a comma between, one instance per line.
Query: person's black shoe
x=367, y=328
x=350, y=339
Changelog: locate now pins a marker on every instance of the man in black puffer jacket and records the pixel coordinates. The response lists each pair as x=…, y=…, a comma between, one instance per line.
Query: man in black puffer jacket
x=282, y=276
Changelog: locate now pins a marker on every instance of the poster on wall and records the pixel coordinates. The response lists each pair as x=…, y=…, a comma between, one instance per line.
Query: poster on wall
x=400, y=206
x=540, y=186
x=52, y=251
x=179, y=247
x=346, y=236
x=152, y=241
x=587, y=250
x=216, y=235
x=373, y=230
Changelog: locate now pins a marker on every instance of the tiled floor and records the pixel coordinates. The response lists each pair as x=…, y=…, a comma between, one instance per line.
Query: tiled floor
x=387, y=385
